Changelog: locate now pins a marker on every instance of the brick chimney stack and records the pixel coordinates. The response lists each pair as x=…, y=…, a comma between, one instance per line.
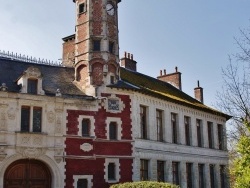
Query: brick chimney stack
x=198, y=93
x=128, y=61
x=172, y=78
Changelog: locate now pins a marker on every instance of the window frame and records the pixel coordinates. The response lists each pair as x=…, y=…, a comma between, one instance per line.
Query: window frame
x=188, y=131
x=88, y=177
x=111, y=172
x=91, y=125
x=143, y=122
x=96, y=45
x=174, y=125
x=212, y=175
x=199, y=131
x=144, y=169
x=175, y=173
x=201, y=173
x=161, y=171
x=111, y=47
x=32, y=86
x=189, y=175
x=113, y=130
x=88, y=124
x=159, y=125
x=210, y=133
x=221, y=143
x=117, y=170
x=28, y=121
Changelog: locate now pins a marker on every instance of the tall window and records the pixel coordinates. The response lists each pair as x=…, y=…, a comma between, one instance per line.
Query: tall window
x=159, y=125
x=96, y=45
x=187, y=130
x=81, y=8
x=32, y=86
x=111, y=47
x=113, y=131
x=143, y=117
x=212, y=178
x=199, y=132
x=26, y=118
x=160, y=171
x=210, y=134
x=220, y=136
x=174, y=128
x=144, y=170
x=82, y=183
x=189, y=175
x=111, y=171
x=175, y=173
x=86, y=127
x=222, y=176
x=201, y=175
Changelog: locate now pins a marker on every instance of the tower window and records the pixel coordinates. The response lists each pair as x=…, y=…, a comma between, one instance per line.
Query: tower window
x=111, y=47
x=81, y=8
x=96, y=45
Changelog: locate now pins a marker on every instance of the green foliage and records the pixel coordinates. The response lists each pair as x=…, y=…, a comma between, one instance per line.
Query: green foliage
x=144, y=184
x=241, y=165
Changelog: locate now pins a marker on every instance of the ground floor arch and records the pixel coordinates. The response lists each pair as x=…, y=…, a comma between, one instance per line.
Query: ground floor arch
x=27, y=173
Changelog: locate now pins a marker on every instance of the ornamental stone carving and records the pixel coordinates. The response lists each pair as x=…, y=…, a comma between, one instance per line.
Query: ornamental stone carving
x=11, y=114
x=2, y=152
x=51, y=116
x=31, y=152
x=86, y=147
x=3, y=121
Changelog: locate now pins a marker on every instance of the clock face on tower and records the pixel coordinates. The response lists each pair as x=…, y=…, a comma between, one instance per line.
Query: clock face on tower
x=110, y=9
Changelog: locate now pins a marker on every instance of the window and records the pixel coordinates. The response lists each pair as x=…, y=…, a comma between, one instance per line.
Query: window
x=82, y=183
x=111, y=171
x=220, y=136
x=97, y=45
x=32, y=86
x=111, y=47
x=222, y=176
x=201, y=175
x=160, y=171
x=81, y=8
x=144, y=170
x=175, y=173
x=112, y=79
x=28, y=115
x=199, y=132
x=210, y=134
x=189, y=175
x=86, y=127
x=212, y=178
x=143, y=122
x=113, y=131
x=159, y=125
x=187, y=130
x=174, y=128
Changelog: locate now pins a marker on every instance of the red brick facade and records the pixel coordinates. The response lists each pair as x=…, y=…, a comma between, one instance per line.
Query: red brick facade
x=79, y=162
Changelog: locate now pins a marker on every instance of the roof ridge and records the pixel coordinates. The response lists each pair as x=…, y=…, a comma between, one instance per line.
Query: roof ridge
x=28, y=59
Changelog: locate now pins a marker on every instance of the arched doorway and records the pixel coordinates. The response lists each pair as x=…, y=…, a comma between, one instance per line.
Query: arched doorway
x=27, y=173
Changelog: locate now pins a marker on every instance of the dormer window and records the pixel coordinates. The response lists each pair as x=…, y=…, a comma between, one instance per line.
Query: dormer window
x=32, y=86
x=31, y=81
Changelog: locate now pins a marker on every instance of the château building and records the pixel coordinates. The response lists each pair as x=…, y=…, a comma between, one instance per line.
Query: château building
x=94, y=120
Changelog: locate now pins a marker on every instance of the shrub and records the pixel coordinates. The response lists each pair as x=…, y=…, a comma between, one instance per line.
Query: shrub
x=144, y=184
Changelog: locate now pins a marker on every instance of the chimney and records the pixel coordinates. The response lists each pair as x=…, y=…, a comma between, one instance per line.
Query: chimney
x=68, y=57
x=128, y=62
x=171, y=78
x=198, y=93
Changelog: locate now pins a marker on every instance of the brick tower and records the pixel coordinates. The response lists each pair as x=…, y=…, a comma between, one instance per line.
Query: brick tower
x=96, y=48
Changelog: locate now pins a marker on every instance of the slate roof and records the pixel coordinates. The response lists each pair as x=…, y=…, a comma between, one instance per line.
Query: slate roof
x=54, y=77
x=151, y=86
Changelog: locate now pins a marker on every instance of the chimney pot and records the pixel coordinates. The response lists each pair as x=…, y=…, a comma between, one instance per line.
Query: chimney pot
x=161, y=72
x=132, y=57
x=164, y=71
x=176, y=69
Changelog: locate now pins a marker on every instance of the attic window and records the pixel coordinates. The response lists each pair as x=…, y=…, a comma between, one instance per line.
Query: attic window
x=32, y=86
x=81, y=8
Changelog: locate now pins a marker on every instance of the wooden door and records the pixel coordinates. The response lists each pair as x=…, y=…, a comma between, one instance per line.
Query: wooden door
x=27, y=174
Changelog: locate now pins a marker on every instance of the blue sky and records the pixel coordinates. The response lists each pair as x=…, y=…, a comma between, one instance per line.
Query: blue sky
x=195, y=35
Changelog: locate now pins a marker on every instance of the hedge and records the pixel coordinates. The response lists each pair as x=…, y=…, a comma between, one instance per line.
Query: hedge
x=144, y=184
